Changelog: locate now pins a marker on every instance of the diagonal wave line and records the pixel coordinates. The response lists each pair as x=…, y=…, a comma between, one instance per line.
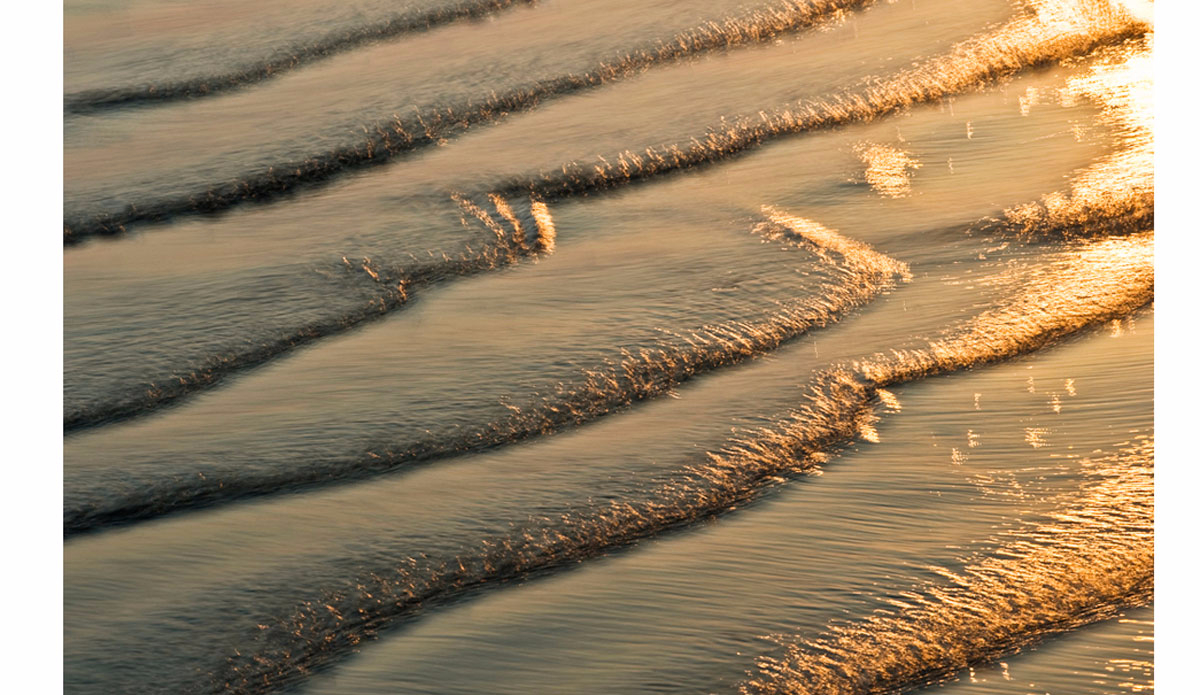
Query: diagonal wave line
x=284, y=60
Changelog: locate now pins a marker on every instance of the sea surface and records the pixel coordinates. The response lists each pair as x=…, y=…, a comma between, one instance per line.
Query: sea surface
x=608, y=346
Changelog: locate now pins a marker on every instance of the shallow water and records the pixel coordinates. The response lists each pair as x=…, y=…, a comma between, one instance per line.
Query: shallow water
x=609, y=431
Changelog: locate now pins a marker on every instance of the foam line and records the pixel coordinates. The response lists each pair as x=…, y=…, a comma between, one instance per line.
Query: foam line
x=1094, y=558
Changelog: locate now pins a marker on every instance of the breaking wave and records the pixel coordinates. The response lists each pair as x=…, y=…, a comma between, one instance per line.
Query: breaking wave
x=1113, y=196
x=1048, y=35
x=1091, y=559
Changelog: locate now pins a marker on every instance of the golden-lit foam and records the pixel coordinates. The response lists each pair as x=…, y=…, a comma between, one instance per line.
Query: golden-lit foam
x=505, y=210
x=434, y=125
x=480, y=214
x=547, y=235
x=1120, y=186
x=1143, y=10
x=393, y=283
x=1067, y=15
x=716, y=482
x=1107, y=278
x=889, y=400
x=824, y=240
x=1091, y=558
x=514, y=242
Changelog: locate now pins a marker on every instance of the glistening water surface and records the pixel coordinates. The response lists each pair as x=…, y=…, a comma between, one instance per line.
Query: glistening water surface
x=457, y=346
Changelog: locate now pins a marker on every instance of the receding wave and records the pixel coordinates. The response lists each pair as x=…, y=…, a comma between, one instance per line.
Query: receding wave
x=285, y=60
x=861, y=274
x=1094, y=283
x=427, y=127
x=1094, y=558
x=393, y=288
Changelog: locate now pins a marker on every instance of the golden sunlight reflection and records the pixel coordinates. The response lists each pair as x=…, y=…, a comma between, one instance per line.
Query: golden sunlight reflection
x=1106, y=278
x=1054, y=30
x=1142, y=9
x=1036, y=436
x=889, y=170
x=1141, y=670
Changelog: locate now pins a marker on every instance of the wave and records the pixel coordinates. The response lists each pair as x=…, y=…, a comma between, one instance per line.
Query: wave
x=284, y=60
x=862, y=273
x=392, y=288
x=1093, y=207
x=1054, y=32
x=1095, y=283
x=1114, y=195
x=1094, y=558
x=432, y=126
